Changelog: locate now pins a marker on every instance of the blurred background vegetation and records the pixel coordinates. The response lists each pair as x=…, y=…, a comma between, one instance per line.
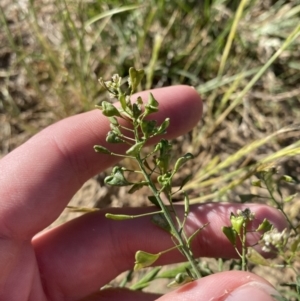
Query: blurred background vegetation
x=243, y=57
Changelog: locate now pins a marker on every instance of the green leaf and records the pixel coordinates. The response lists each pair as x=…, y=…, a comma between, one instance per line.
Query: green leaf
x=237, y=222
x=145, y=280
x=153, y=200
x=136, y=111
x=256, y=183
x=254, y=257
x=265, y=226
x=113, y=137
x=135, y=187
x=245, y=198
x=288, y=179
x=144, y=259
x=135, y=78
x=180, y=279
x=185, y=180
x=118, y=217
x=135, y=149
x=171, y=273
x=151, y=106
x=181, y=161
x=109, y=110
x=289, y=198
x=148, y=128
x=162, y=128
x=117, y=178
x=230, y=234
x=101, y=149
x=160, y=221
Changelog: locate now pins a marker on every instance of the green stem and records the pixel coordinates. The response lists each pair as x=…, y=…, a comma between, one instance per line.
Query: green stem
x=244, y=249
x=184, y=248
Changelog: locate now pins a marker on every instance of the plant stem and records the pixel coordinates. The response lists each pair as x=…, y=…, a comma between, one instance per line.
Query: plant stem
x=184, y=248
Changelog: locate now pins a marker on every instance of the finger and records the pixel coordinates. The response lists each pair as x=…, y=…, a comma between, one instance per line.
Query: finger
x=121, y=294
x=226, y=286
x=94, y=250
x=39, y=178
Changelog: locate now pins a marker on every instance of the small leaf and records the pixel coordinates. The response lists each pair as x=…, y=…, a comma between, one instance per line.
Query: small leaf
x=109, y=109
x=117, y=178
x=118, y=217
x=180, y=279
x=135, y=149
x=288, y=179
x=237, y=222
x=151, y=106
x=265, y=226
x=256, y=183
x=144, y=259
x=185, y=180
x=135, y=78
x=245, y=198
x=254, y=257
x=191, y=238
x=136, y=111
x=148, y=127
x=101, y=149
x=113, y=137
x=162, y=128
x=135, y=187
x=290, y=198
x=230, y=234
x=153, y=200
x=113, y=120
x=160, y=221
x=181, y=161
x=145, y=280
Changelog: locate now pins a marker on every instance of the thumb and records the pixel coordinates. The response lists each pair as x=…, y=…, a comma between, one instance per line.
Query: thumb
x=225, y=286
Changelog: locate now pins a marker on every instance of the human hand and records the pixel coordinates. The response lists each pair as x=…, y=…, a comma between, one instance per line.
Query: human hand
x=73, y=261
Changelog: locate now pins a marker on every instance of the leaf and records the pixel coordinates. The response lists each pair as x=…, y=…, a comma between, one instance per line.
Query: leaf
x=118, y=217
x=144, y=259
x=109, y=109
x=191, y=238
x=160, y=221
x=162, y=128
x=153, y=200
x=101, y=149
x=185, y=180
x=171, y=273
x=148, y=127
x=113, y=137
x=135, y=78
x=245, y=198
x=145, y=280
x=265, y=226
x=117, y=178
x=135, y=149
x=230, y=234
x=237, y=222
x=135, y=187
x=181, y=279
x=254, y=257
x=151, y=106
x=181, y=161
x=290, y=198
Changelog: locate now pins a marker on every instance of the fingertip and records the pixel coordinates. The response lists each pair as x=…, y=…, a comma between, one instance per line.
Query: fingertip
x=225, y=286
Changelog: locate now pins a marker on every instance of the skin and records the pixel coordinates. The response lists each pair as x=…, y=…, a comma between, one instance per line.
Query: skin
x=73, y=261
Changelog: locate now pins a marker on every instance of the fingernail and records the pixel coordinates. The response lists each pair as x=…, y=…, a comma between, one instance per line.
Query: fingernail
x=253, y=291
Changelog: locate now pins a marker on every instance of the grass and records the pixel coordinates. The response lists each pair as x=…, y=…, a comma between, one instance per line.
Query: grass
x=242, y=57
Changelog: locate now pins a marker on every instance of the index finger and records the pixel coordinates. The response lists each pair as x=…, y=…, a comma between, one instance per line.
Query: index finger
x=39, y=178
